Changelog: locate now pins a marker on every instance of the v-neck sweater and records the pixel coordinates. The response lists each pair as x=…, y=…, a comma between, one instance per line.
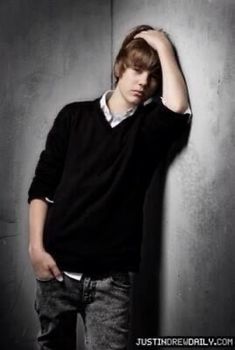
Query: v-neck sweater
x=97, y=177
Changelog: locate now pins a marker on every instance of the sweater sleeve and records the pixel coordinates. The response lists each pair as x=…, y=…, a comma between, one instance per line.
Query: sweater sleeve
x=49, y=168
x=161, y=127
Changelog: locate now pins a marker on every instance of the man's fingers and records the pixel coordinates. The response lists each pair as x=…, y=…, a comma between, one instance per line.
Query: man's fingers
x=56, y=272
x=44, y=265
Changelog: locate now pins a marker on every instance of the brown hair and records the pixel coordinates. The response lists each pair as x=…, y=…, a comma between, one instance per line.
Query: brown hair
x=139, y=54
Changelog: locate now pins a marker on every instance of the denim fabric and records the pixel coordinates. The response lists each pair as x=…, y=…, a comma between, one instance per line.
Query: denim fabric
x=102, y=300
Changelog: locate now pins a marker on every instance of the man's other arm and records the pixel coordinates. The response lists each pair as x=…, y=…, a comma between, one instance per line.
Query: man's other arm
x=43, y=264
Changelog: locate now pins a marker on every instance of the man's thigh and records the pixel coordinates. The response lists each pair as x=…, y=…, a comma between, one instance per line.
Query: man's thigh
x=107, y=318
x=56, y=308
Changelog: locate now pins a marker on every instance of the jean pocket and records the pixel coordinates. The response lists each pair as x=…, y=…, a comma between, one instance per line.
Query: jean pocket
x=46, y=280
x=121, y=279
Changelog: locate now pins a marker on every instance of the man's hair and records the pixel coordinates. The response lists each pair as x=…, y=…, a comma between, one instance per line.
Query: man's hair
x=137, y=53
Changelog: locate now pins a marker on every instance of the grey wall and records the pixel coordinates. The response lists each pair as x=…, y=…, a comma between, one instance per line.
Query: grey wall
x=53, y=52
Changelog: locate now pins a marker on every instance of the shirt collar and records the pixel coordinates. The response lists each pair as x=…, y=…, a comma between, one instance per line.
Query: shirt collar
x=104, y=106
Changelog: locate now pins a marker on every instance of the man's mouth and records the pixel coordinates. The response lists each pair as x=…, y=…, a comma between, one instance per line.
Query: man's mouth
x=138, y=93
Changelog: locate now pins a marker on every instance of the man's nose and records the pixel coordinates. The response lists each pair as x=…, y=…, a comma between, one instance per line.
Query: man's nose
x=143, y=78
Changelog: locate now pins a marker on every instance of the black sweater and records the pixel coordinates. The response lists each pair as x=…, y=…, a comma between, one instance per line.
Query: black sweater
x=97, y=177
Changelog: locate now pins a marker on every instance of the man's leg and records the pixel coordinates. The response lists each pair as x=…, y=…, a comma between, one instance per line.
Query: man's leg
x=56, y=307
x=107, y=318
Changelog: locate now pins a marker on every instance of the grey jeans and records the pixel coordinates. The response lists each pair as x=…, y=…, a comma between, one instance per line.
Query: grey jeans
x=103, y=300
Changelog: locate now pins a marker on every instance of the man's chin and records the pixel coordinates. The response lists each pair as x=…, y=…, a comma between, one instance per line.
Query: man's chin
x=137, y=101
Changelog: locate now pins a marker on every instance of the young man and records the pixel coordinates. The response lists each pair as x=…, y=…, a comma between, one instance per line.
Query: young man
x=86, y=198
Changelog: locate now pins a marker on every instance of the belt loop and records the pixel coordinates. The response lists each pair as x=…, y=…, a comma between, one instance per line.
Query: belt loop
x=88, y=289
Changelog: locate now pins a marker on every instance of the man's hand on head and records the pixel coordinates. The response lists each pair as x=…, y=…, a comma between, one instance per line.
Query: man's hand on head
x=157, y=39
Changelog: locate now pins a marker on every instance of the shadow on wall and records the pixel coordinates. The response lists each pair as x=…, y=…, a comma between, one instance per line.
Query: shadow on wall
x=146, y=303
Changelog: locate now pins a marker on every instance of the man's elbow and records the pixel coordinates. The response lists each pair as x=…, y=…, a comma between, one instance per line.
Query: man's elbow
x=179, y=107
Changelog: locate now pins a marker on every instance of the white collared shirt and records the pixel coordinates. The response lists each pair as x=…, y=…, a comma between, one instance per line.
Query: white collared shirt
x=114, y=118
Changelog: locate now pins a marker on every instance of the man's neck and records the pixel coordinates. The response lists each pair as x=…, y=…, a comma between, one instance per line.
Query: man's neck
x=117, y=104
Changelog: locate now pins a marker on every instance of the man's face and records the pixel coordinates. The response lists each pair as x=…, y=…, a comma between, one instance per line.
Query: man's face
x=136, y=86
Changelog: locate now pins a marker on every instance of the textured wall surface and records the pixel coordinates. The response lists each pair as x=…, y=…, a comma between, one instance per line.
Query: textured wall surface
x=186, y=285
x=47, y=60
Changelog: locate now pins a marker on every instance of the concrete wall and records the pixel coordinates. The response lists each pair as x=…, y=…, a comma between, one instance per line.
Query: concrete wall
x=52, y=52
x=187, y=285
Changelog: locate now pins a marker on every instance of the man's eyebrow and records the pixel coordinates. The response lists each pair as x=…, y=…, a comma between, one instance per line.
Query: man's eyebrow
x=138, y=65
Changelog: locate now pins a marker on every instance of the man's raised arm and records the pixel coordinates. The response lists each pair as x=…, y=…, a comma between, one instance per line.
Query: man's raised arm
x=175, y=94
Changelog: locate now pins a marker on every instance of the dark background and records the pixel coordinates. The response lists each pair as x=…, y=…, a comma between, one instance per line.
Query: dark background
x=57, y=51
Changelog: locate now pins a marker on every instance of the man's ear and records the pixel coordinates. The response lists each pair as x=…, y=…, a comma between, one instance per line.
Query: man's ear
x=117, y=70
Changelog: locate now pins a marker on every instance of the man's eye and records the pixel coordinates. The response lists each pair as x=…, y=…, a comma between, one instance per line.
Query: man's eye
x=153, y=77
x=138, y=70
